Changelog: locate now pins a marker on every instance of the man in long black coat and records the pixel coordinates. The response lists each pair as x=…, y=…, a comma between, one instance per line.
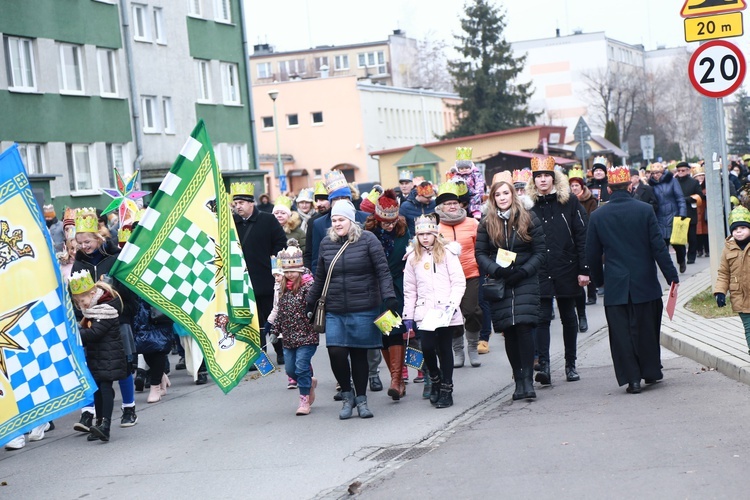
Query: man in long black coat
x=625, y=232
x=261, y=237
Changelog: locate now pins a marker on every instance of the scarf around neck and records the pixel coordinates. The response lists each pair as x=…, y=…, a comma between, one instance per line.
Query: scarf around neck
x=451, y=219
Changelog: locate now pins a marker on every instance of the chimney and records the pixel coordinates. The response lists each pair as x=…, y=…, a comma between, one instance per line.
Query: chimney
x=399, y=32
x=557, y=32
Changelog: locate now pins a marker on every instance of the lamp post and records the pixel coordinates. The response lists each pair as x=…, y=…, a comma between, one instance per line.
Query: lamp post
x=273, y=94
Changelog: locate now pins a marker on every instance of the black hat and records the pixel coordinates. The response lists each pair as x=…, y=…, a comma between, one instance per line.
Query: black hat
x=682, y=164
x=634, y=171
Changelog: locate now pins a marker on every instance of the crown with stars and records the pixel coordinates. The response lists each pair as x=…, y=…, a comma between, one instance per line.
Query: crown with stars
x=87, y=221
x=618, y=175
x=81, y=282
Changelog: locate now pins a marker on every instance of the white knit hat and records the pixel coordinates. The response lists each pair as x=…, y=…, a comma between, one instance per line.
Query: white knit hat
x=345, y=208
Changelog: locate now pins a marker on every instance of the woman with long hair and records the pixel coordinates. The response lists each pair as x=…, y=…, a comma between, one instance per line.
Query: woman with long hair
x=510, y=248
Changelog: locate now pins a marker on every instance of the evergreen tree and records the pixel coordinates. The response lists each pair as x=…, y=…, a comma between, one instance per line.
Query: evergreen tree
x=739, y=142
x=611, y=133
x=484, y=76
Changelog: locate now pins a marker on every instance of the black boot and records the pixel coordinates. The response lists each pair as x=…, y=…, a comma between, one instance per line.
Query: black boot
x=84, y=425
x=434, y=389
x=91, y=436
x=101, y=431
x=519, y=392
x=446, y=396
x=543, y=376
x=570, y=371
x=140, y=379
x=528, y=385
x=583, y=324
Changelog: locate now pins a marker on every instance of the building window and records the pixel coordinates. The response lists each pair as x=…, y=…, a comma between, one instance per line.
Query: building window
x=234, y=157
x=116, y=158
x=223, y=11
x=140, y=24
x=159, y=34
x=81, y=168
x=267, y=122
x=71, y=68
x=148, y=114
x=33, y=158
x=341, y=62
x=195, y=8
x=317, y=117
x=372, y=60
x=292, y=120
x=107, y=62
x=230, y=83
x=204, y=81
x=166, y=107
x=320, y=62
x=317, y=173
x=264, y=70
x=20, y=60
x=295, y=67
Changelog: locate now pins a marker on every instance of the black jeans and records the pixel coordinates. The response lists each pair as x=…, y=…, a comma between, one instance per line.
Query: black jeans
x=567, y=308
x=679, y=250
x=692, y=248
x=519, y=347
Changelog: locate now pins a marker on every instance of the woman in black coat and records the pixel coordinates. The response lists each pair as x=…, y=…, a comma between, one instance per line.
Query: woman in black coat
x=671, y=204
x=509, y=226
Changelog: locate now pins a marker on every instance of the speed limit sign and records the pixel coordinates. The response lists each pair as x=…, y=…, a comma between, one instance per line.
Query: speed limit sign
x=717, y=68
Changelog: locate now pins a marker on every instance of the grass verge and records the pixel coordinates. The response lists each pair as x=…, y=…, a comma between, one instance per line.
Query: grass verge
x=705, y=305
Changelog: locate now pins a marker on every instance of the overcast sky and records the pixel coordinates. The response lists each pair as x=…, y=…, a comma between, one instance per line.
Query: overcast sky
x=299, y=24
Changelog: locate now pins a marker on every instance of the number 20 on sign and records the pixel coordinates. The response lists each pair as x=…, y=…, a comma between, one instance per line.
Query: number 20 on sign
x=717, y=68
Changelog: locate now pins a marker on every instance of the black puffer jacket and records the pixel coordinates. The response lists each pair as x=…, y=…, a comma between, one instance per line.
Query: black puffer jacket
x=105, y=355
x=520, y=305
x=564, y=223
x=361, y=279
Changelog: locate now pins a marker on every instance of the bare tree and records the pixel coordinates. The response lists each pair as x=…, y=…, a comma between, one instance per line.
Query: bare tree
x=432, y=65
x=614, y=94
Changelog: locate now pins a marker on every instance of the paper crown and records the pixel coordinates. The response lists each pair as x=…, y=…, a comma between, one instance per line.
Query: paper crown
x=463, y=153
x=87, y=221
x=425, y=224
x=374, y=194
x=320, y=190
x=542, y=164
x=48, y=210
x=576, y=173
x=69, y=217
x=123, y=235
x=405, y=175
x=291, y=258
x=739, y=214
x=462, y=187
x=698, y=170
x=81, y=282
x=244, y=189
x=283, y=203
x=386, y=207
x=600, y=160
x=139, y=214
x=425, y=189
x=618, y=175
x=521, y=176
x=335, y=180
x=305, y=195
x=449, y=187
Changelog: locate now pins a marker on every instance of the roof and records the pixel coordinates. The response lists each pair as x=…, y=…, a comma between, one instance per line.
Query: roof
x=417, y=156
x=464, y=139
x=321, y=48
x=607, y=145
x=523, y=154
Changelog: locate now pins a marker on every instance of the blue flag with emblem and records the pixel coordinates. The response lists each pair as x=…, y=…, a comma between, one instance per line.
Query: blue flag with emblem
x=43, y=372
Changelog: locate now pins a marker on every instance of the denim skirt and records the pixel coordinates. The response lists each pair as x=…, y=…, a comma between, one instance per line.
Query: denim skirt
x=353, y=330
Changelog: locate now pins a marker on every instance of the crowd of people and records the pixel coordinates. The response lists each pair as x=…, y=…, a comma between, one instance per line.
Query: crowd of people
x=454, y=260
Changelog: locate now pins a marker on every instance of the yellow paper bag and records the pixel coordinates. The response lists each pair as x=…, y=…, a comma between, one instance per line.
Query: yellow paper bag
x=680, y=228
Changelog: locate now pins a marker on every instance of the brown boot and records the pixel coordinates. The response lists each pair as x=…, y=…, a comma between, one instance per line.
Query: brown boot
x=397, y=390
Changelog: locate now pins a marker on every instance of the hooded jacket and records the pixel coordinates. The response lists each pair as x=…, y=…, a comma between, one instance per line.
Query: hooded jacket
x=734, y=270
x=411, y=209
x=671, y=201
x=475, y=182
x=563, y=220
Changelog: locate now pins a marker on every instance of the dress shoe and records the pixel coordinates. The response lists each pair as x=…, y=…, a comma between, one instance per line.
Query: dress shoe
x=591, y=301
x=583, y=324
x=634, y=388
x=375, y=383
x=683, y=267
x=570, y=372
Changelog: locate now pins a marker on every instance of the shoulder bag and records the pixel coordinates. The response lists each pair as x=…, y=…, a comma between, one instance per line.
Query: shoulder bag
x=493, y=289
x=319, y=315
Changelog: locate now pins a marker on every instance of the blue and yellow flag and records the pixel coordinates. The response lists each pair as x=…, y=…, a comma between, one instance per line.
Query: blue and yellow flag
x=184, y=258
x=43, y=372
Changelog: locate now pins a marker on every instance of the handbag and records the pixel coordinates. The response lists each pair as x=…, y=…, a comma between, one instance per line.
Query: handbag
x=680, y=229
x=493, y=289
x=319, y=315
x=158, y=317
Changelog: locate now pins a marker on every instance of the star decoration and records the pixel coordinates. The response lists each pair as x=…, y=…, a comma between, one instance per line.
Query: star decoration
x=7, y=322
x=124, y=196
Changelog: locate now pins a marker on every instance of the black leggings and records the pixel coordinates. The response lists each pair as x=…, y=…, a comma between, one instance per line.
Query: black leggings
x=345, y=373
x=439, y=344
x=156, y=361
x=104, y=399
x=519, y=346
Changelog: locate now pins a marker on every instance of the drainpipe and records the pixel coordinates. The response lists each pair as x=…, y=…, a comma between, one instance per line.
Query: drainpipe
x=246, y=55
x=135, y=109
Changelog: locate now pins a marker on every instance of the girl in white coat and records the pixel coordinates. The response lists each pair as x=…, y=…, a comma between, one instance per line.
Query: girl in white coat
x=434, y=282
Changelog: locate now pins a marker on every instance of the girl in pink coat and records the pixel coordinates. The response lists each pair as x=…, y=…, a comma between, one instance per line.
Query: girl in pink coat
x=434, y=285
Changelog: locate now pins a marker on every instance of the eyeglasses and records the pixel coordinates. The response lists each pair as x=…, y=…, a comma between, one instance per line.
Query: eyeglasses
x=384, y=224
x=451, y=204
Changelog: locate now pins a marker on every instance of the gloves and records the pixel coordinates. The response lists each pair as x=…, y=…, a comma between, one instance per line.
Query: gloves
x=721, y=299
x=516, y=277
x=267, y=328
x=409, y=324
x=392, y=304
x=503, y=272
x=273, y=338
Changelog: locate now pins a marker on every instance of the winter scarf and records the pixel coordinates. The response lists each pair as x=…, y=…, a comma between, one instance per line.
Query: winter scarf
x=451, y=219
x=387, y=240
x=100, y=311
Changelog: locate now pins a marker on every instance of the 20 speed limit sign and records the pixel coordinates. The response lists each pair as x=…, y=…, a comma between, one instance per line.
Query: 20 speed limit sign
x=717, y=68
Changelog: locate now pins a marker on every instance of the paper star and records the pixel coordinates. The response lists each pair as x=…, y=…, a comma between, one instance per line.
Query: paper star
x=7, y=322
x=123, y=192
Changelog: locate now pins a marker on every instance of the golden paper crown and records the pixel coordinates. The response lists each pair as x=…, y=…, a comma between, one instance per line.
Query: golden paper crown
x=698, y=169
x=425, y=224
x=81, y=282
x=425, y=189
x=87, y=221
x=618, y=175
x=463, y=153
x=576, y=173
x=739, y=214
x=600, y=160
x=335, y=180
x=462, y=187
x=449, y=187
x=521, y=176
x=305, y=195
x=123, y=235
x=242, y=189
x=542, y=164
x=320, y=189
x=139, y=214
x=283, y=203
x=374, y=194
x=291, y=258
x=502, y=176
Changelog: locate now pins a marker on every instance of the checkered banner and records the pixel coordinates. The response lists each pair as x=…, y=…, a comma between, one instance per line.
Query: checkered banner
x=184, y=258
x=43, y=372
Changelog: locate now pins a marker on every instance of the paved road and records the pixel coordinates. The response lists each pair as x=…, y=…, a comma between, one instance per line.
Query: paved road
x=199, y=442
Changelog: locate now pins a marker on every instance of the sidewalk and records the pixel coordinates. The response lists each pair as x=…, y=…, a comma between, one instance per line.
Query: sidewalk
x=716, y=343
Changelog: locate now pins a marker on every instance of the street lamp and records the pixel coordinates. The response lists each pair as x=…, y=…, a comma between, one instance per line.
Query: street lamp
x=273, y=94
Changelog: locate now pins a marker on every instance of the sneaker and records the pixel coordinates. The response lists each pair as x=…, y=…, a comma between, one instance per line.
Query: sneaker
x=37, y=433
x=180, y=364
x=419, y=379
x=129, y=418
x=17, y=443
x=483, y=347
x=84, y=425
x=291, y=384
